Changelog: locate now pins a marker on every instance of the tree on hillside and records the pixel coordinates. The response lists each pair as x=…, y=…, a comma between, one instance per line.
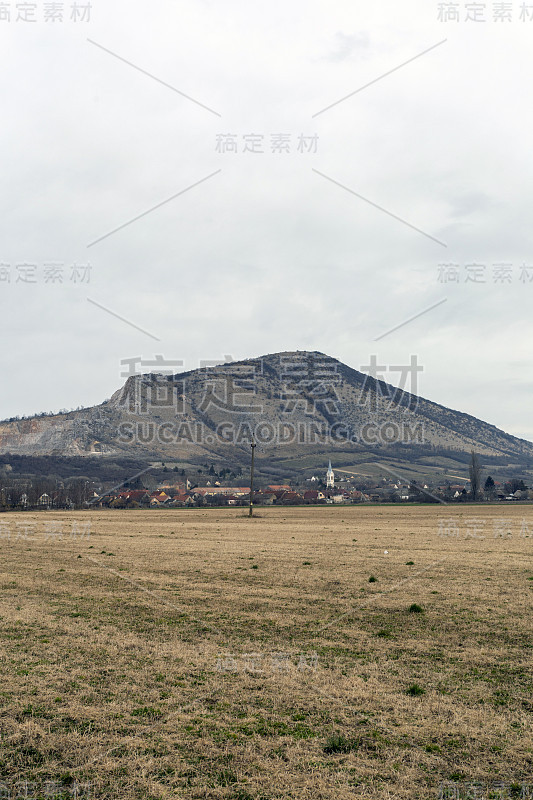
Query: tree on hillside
x=474, y=471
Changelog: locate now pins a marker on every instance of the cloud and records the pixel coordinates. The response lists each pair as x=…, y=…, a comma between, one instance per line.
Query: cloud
x=266, y=255
x=348, y=46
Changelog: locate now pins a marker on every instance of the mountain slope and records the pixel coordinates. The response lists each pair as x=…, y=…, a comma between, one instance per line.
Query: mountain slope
x=295, y=405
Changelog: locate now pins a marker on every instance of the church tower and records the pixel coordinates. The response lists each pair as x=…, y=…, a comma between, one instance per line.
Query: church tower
x=330, y=477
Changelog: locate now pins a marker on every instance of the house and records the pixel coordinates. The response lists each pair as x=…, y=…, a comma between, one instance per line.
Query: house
x=182, y=500
x=176, y=488
x=290, y=498
x=135, y=495
x=457, y=489
x=267, y=498
x=204, y=491
x=314, y=496
x=337, y=498
x=264, y=498
x=159, y=498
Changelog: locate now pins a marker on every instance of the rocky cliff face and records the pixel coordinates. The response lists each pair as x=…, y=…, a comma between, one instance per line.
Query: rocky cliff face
x=72, y=434
x=291, y=403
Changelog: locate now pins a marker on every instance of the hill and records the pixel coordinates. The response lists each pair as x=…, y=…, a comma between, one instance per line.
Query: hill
x=301, y=408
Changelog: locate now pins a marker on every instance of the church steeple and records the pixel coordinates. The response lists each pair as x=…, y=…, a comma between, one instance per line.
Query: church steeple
x=330, y=477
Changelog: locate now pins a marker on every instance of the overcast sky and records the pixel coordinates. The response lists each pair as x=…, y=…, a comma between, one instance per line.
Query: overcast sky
x=325, y=247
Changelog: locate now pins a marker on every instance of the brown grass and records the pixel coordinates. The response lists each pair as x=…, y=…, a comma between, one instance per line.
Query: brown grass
x=116, y=652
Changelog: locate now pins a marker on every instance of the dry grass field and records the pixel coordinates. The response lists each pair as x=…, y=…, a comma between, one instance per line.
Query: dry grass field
x=201, y=654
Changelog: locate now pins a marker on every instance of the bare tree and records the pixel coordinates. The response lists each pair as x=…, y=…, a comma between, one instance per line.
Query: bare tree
x=474, y=471
x=77, y=491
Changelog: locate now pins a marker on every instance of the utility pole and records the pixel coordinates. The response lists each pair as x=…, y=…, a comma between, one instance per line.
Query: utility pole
x=251, y=511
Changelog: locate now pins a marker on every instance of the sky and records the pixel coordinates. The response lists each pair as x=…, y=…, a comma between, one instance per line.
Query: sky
x=207, y=181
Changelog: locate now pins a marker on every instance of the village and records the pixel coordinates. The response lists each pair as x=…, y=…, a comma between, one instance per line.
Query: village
x=315, y=490
x=205, y=487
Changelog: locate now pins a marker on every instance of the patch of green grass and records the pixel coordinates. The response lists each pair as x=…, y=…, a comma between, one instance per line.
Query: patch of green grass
x=33, y=711
x=147, y=711
x=457, y=776
x=414, y=608
x=338, y=743
x=274, y=727
x=241, y=794
x=67, y=723
x=226, y=777
x=415, y=690
x=28, y=757
x=501, y=698
x=372, y=579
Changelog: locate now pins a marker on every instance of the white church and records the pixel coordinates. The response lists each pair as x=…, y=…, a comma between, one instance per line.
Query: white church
x=330, y=477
